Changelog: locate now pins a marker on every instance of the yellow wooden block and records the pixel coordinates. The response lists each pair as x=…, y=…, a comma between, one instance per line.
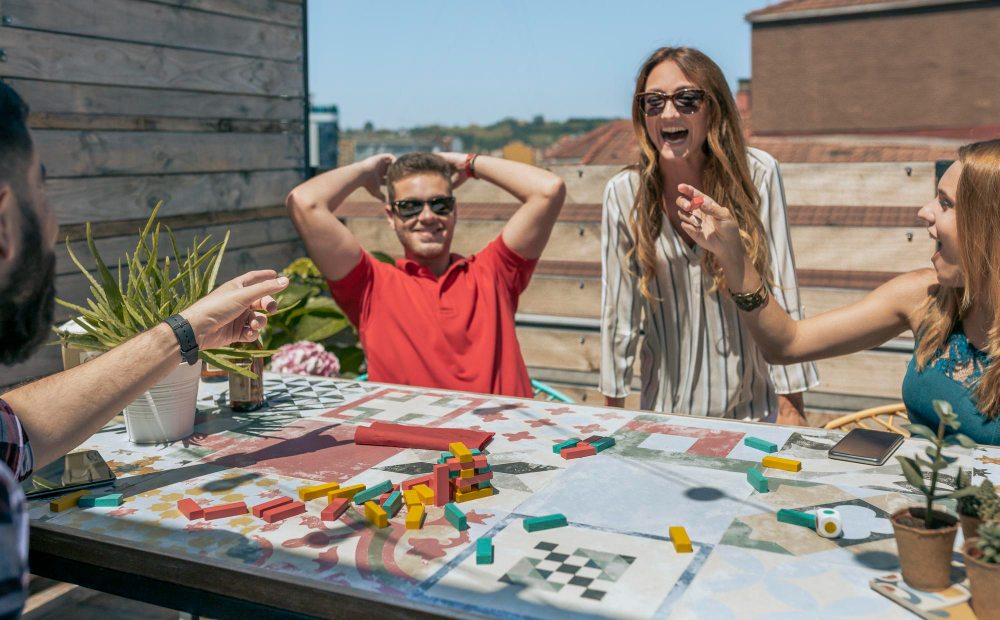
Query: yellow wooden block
x=376, y=515
x=461, y=496
x=466, y=473
x=415, y=517
x=67, y=501
x=425, y=493
x=347, y=492
x=679, y=536
x=411, y=498
x=461, y=452
x=309, y=493
x=778, y=463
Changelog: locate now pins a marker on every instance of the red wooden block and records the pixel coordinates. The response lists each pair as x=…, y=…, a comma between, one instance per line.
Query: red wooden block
x=441, y=487
x=283, y=512
x=226, y=510
x=335, y=509
x=409, y=484
x=577, y=452
x=479, y=462
x=260, y=508
x=190, y=509
x=478, y=478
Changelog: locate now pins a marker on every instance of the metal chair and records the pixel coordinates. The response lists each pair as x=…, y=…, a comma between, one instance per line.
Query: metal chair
x=537, y=386
x=875, y=414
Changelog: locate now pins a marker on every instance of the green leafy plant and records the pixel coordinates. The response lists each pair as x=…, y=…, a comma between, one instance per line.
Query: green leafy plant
x=307, y=312
x=147, y=292
x=913, y=467
x=988, y=541
x=984, y=504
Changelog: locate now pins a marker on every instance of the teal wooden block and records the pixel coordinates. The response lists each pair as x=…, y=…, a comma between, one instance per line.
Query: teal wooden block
x=453, y=474
x=483, y=470
x=372, y=493
x=604, y=443
x=456, y=517
x=569, y=443
x=393, y=503
x=484, y=484
x=795, y=517
x=537, y=524
x=757, y=480
x=760, y=444
x=475, y=452
x=94, y=501
x=445, y=456
x=484, y=551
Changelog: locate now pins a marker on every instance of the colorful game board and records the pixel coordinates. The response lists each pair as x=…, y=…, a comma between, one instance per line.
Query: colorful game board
x=614, y=558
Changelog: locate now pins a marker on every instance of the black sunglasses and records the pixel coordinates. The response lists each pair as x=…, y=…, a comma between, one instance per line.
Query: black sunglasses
x=411, y=207
x=686, y=101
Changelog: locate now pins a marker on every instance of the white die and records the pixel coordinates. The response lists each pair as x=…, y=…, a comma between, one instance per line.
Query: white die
x=829, y=523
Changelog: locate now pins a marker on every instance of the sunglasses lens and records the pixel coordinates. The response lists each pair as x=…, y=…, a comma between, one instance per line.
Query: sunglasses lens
x=442, y=205
x=652, y=104
x=688, y=103
x=408, y=208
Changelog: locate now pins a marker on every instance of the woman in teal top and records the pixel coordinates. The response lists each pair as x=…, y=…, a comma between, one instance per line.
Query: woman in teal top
x=952, y=308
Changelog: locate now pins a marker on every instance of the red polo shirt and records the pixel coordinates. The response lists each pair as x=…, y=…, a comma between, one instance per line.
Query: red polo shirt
x=455, y=332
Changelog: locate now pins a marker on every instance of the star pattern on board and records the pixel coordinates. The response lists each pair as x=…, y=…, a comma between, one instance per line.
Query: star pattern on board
x=289, y=394
x=553, y=568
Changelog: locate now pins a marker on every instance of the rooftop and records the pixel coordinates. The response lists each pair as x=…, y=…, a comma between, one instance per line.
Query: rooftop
x=804, y=9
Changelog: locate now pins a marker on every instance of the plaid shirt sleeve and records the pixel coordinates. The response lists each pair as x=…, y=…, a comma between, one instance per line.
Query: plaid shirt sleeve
x=16, y=464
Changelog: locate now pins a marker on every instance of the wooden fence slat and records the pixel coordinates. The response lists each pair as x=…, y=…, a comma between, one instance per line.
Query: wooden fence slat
x=69, y=58
x=861, y=185
x=67, y=98
x=87, y=122
x=157, y=24
x=87, y=153
x=242, y=235
x=134, y=197
x=277, y=11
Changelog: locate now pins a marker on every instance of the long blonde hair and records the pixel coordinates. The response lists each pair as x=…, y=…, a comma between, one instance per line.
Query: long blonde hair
x=977, y=214
x=725, y=177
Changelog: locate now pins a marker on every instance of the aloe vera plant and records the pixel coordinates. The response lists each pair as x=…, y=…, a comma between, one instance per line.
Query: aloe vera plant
x=147, y=292
x=913, y=467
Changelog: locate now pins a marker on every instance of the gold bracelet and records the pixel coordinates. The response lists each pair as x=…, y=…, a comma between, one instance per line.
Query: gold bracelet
x=749, y=302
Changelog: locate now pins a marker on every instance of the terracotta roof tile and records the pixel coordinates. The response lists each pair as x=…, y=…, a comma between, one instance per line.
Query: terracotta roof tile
x=800, y=6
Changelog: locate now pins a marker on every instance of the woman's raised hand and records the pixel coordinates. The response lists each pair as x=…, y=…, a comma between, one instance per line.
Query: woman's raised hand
x=711, y=226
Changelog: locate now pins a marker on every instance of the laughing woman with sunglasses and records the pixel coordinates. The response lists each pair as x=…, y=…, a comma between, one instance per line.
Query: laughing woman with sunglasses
x=697, y=356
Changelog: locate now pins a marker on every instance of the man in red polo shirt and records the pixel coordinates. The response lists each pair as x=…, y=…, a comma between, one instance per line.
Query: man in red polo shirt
x=435, y=319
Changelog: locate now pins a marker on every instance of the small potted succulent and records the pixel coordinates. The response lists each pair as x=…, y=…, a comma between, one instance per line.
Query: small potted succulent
x=974, y=509
x=144, y=293
x=982, y=565
x=925, y=536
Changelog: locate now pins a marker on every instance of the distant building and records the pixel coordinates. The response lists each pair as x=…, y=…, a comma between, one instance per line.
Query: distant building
x=324, y=137
x=361, y=144
x=927, y=68
x=519, y=151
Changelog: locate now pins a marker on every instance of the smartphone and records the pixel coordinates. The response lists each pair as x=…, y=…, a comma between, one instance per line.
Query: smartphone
x=866, y=446
x=78, y=470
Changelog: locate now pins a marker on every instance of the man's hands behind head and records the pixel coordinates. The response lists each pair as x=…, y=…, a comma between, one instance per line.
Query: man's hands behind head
x=373, y=173
x=230, y=313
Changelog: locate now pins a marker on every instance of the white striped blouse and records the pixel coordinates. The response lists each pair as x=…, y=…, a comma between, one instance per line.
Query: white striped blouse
x=697, y=355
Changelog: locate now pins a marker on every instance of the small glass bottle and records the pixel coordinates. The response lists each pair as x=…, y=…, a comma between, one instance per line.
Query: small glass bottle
x=246, y=394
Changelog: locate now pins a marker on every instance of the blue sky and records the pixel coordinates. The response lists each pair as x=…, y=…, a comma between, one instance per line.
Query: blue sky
x=400, y=64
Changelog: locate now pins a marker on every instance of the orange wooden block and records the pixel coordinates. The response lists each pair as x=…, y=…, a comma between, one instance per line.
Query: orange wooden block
x=335, y=509
x=578, y=452
x=225, y=510
x=283, y=512
x=259, y=509
x=190, y=509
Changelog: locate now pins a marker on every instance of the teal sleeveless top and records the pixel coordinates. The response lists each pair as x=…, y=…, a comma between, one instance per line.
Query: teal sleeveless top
x=951, y=375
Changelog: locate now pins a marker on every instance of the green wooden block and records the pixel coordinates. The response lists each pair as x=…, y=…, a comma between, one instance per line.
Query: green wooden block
x=392, y=504
x=797, y=518
x=456, y=517
x=484, y=484
x=537, y=524
x=484, y=551
x=92, y=501
x=372, y=493
x=569, y=443
x=604, y=443
x=757, y=480
x=760, y=444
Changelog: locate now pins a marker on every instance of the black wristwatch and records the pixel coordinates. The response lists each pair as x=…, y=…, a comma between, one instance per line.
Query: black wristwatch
x=185, y=338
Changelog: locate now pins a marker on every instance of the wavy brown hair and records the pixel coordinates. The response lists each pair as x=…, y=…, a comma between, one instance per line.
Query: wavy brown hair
x=726, y=175
x=977, y=214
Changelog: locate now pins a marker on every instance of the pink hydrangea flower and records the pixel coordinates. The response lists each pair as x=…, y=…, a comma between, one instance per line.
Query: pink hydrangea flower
x=305, y=358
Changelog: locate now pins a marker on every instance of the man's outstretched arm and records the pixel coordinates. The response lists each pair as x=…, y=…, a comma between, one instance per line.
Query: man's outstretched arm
x=62, y=411
x=331, y=246
x=541, y=193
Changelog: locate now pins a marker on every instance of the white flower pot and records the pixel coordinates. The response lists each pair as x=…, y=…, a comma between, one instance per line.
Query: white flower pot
x=166, y=412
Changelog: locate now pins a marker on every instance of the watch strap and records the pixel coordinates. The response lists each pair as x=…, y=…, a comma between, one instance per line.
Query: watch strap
x=185, y=338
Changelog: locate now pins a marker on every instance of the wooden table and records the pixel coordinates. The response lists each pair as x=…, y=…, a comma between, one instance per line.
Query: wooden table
x=614, y=559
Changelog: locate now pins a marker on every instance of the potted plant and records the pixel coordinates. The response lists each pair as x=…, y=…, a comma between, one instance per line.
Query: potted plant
x=926, y=537
x=144, y=294
x=982, y=565
x=974, y=509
